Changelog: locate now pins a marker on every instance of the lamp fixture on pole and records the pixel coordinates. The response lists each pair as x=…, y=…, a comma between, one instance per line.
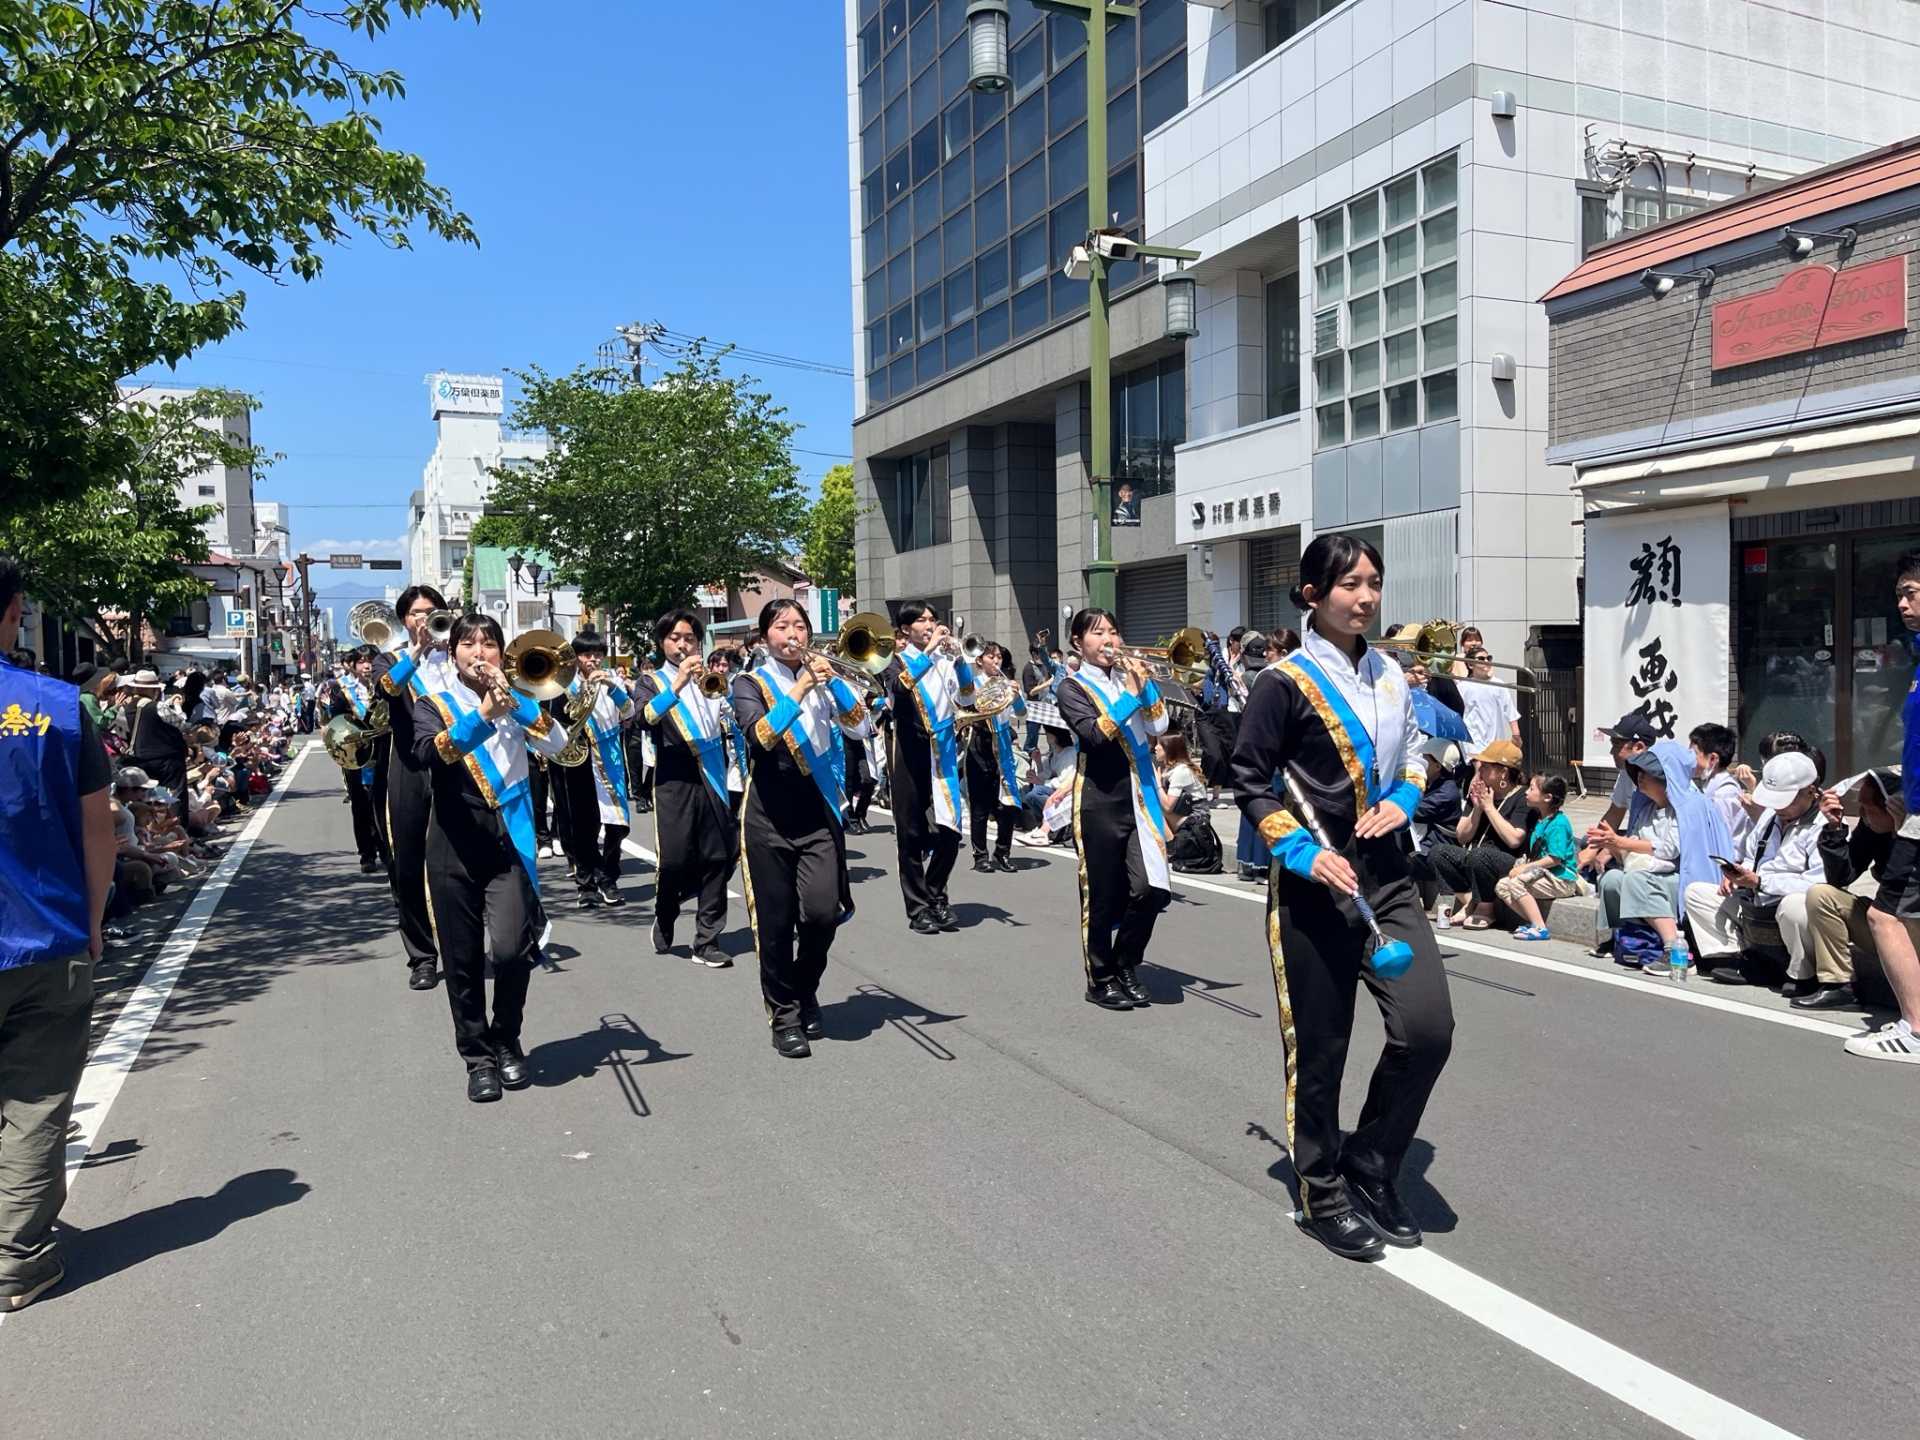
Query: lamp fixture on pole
x=1660, y=283
x=1798, y=242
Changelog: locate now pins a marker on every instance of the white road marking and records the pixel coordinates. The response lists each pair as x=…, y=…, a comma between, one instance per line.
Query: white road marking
x=1652, y=1391
x=110, y=1062
x=640, y=852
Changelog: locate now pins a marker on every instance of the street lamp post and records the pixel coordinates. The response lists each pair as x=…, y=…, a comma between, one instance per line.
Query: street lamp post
x=987, y=62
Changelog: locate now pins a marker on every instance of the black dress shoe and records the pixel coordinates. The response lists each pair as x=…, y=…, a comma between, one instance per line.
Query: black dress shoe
x=514, y=1072
x=812, y=1026
x=1004, y=864
x=1380, y=1204
x=1792, y=989
x=421, y=975
x=943, y=917
x=1131, y=987
x=1825, y=997
x=1252, y=872
x=483, y=1083
x=924, y=925
x=662, y=940
x=1109, y=997
x=1346, y=1235
x=1729, y=975
x=982, y=865
x=792, y=1043
x=610, y=894
x=369, y=867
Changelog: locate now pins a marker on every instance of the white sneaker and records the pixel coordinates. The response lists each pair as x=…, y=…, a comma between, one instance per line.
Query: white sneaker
x=1033, y=837
x=1896, y=1042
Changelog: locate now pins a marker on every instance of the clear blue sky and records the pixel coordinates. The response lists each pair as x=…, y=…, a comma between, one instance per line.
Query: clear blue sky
x=673, y=160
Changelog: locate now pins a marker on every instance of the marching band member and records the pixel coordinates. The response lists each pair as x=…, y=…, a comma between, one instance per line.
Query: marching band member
x=1338, y=718
x=1114, y=710
x=796, y=856
x=473, y=738
x=423, y=669
x=926, y=680
x=693, y=834
x=353, y=695
x=993, y=777
x=597, y=806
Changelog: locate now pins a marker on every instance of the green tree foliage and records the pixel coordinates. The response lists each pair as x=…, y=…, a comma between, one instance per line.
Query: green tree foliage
x=651, y=491
x=209, y=137
x=828, y=552
x=123, y=544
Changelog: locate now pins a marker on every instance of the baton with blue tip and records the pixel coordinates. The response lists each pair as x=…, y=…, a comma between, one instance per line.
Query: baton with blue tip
x=1390, y=958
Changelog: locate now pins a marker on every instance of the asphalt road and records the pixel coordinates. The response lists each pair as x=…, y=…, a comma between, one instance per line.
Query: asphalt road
x=982, y=1208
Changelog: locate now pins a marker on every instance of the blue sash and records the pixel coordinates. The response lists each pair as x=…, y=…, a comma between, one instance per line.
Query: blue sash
x=822, y=766
x=1334, y=711
x=1003, y=750
x=513, y=802
x=946, y=749
x=358, y=700
x=709, y=750
x=1146, y=782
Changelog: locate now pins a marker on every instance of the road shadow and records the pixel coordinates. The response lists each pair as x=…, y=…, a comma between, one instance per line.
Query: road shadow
x=1169, y=986
x=870, y=1007
x=969, y=913
x=106, y=1250
x=857, y=873
x=1429, y=1206
x=617, y=1044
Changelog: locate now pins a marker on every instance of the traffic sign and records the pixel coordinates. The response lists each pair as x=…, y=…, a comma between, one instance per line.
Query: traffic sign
x=344, y=562
x=383, y=564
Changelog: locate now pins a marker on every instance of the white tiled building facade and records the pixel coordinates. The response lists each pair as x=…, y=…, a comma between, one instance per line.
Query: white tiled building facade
x=469, y=445
x=1381, y=197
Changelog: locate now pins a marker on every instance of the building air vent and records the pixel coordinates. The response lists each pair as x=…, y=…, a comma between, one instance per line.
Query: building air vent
x=1327, y=331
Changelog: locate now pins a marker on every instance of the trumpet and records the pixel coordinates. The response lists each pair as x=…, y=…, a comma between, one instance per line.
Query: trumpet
x=1436, y=644
x=540, y=664
x=1183, y=659
x=972, y=648
x=440, y=627
x=376, y=623
x=713, y=683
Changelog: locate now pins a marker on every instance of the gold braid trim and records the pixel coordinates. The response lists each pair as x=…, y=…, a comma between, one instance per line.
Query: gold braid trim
x=1276, y=827
x=1336, y=732
x=542, y=727
x=1107, y=726
x=443, y=747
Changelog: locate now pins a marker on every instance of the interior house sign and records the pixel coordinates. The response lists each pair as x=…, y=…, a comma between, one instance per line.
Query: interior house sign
x=1811, y=307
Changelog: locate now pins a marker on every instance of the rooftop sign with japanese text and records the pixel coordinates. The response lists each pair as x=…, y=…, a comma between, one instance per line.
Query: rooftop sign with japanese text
x=1812, y=307
x=464, y=395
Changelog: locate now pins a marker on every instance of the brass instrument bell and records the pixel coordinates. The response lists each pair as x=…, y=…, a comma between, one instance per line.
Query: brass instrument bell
x=539, y=664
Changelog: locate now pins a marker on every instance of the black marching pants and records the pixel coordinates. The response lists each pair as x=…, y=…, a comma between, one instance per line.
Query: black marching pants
x=983, y=804
x=366, y=823
x=1318, y=943
x=796, y=895
x=1118, y=906
x=592, y=848
x=537, y=790
x=409, y=811
x=1476, y=871
x=693, y=850
x=926, y=850
x=860, y=784
x=482, y=902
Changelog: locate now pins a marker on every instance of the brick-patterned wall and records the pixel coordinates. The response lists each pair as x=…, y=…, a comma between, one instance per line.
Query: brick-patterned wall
x=1641, y=362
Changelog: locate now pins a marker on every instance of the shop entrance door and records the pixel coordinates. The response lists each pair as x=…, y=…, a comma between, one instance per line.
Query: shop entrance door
x=1786, y=643
x=1880, y=660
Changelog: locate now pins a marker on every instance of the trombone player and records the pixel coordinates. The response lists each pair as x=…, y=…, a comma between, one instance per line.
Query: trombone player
x=404, y=791
x=596, y=810
x=927, y=681
x=352, y=695
x=685, y=708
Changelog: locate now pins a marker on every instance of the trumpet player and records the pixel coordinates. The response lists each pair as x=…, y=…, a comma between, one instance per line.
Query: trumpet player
x=594, y=799
x=927, y=680
x=993, y=776
x=795, y=854
x=352, y=694
x=1114, y=710
x=685, y=707
x=473, y=738
x=423, y=669
x=1337, y=718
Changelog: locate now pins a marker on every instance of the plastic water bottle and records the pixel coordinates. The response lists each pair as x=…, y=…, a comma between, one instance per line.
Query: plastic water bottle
x=1678, y=962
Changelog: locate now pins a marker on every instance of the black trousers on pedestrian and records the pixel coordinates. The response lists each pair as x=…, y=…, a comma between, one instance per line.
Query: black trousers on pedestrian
x=860, y=782
x=983, y=805
x=409, y=811
x=483, y=902
x=1118, y=904
x=693, y=841
x=1318, y=945
x=366, y=822
x=797, y=892
x=538, y=792
x=926, y=851
x=1474, y=871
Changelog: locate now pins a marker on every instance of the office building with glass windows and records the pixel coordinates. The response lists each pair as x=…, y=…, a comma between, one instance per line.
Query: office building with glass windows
x=971, y=406
x=1381, y=191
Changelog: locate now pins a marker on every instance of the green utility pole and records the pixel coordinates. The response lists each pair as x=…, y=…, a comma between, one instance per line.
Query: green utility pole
x=1101, y=585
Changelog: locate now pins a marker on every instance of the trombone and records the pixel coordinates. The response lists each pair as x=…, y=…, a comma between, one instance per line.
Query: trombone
x=539, y=664
x=1183, y=659
x=861, y=652
x=1436, y=644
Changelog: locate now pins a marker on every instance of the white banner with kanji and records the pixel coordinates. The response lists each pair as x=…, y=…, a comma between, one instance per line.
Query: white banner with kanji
x=1658, y=621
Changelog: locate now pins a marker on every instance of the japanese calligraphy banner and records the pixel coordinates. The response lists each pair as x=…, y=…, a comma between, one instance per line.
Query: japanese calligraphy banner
x=1657, y=621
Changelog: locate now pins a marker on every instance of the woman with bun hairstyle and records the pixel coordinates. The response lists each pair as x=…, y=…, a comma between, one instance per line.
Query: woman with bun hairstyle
x=790, y=708
x=1115, y=711
x=1335, y=718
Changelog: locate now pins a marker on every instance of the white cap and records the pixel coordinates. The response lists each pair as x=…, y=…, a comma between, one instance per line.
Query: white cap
x=1783, y=778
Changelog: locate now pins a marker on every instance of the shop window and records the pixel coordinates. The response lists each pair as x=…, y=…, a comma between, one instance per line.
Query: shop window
x=921, y=501
x=1386, y=294
x=1149, y=420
